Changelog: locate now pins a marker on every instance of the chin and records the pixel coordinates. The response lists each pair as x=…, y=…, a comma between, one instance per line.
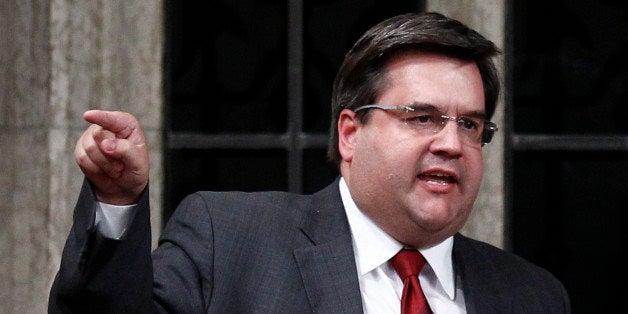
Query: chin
x=437, y=218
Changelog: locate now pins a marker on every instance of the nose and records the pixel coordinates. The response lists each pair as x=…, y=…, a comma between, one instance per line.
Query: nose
x=447, y=141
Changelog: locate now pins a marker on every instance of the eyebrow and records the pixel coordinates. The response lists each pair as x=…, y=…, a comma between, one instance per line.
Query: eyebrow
x=422, y=106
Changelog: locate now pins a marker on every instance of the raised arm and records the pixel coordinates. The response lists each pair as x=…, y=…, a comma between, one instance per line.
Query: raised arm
x=98, y=274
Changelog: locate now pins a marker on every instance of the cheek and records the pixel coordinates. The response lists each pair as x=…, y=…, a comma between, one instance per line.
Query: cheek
x=370, y=157
x=380, y=160
x=388, y=153
x=474, y=173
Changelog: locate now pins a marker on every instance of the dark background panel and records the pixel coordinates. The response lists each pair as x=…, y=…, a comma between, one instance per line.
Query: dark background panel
x=225, y=170
x=569, y=78
x=570, y=69
x=569, y=217
x=226, y=65
x=331, y=28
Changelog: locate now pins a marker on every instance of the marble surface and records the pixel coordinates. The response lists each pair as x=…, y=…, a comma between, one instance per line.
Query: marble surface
x=60, y=58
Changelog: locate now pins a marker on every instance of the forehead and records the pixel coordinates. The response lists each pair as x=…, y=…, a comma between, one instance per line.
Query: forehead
x=449, y=84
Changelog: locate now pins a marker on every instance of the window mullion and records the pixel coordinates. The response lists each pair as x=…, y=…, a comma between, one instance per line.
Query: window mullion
x=295, y=95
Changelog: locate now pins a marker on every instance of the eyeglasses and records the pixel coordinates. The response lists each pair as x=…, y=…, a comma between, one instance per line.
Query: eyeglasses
x=426, y=120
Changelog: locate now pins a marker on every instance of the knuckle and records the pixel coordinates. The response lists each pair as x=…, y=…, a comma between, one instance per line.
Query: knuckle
x=81, y=158
x=91, y=149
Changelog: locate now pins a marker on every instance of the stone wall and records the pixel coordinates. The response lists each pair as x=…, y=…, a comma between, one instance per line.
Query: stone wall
x=58, y=59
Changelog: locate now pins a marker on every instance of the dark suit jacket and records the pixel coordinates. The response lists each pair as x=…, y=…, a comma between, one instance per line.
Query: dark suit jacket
x=267, y=252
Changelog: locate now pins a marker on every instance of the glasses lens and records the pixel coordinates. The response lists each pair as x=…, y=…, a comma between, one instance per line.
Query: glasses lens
x=423, y=120
x=471, y=129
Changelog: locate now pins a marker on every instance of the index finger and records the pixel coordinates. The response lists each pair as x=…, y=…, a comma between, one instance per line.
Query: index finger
x=120, y=123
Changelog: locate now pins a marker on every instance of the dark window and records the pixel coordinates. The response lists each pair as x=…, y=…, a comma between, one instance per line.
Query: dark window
x=568, y=161
x=248, y=88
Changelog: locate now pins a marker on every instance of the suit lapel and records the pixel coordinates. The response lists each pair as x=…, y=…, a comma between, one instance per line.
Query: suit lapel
x=328, y=266
x=480, y=285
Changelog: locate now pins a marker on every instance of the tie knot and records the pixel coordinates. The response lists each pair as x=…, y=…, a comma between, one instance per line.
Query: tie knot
x=408, y=263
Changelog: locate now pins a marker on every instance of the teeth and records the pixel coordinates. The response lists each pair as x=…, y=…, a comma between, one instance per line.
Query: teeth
x=438, y=178
x=437, y=182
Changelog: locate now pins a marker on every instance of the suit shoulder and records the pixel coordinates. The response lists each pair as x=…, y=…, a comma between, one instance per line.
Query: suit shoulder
x=490, y=259
x=235, y=206
x=488, y=254
x=237, y=199
x=488, y=270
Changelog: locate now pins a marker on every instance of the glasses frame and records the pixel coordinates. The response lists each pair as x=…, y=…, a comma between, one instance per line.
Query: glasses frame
x=488, y=131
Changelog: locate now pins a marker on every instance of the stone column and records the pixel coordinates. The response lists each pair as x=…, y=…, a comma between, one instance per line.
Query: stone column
x=488, y=18
x=60, y=58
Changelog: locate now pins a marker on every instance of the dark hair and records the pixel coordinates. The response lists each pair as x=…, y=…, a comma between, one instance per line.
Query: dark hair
x=360, y=79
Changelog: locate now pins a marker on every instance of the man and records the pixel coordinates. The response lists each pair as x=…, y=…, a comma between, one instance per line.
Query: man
x=411, y=104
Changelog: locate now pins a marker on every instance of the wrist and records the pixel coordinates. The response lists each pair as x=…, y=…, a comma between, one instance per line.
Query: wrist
x=119, y=198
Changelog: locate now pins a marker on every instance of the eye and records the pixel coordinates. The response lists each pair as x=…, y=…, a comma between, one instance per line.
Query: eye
x=421, y=118
x=468, y=124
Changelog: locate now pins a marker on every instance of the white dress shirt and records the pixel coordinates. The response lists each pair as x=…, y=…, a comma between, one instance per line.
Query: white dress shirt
x=380, y=286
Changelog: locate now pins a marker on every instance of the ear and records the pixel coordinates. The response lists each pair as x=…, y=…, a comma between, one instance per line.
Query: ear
x=347, y=129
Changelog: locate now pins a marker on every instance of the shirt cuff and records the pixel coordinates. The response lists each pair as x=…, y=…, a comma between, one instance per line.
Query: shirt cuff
x=112, y=221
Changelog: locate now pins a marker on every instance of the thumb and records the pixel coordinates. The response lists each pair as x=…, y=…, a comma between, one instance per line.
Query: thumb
x=109, y=146
x=117, y=148
x=133, y=156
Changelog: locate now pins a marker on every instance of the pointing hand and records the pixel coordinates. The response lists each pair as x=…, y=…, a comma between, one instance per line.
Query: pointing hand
x=112, y=154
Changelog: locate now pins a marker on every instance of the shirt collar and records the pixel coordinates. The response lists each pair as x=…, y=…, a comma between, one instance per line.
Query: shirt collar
x=374, y=247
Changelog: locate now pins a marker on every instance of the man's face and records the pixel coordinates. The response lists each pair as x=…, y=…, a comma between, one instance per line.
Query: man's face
x=420, y=188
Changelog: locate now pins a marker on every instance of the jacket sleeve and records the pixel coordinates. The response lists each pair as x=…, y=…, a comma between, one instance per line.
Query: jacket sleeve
x=99, y=275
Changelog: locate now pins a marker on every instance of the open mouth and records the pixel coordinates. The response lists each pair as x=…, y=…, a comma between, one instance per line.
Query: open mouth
x=438, y=178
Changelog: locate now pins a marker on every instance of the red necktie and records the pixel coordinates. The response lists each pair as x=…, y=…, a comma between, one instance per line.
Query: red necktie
x=408, y=264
